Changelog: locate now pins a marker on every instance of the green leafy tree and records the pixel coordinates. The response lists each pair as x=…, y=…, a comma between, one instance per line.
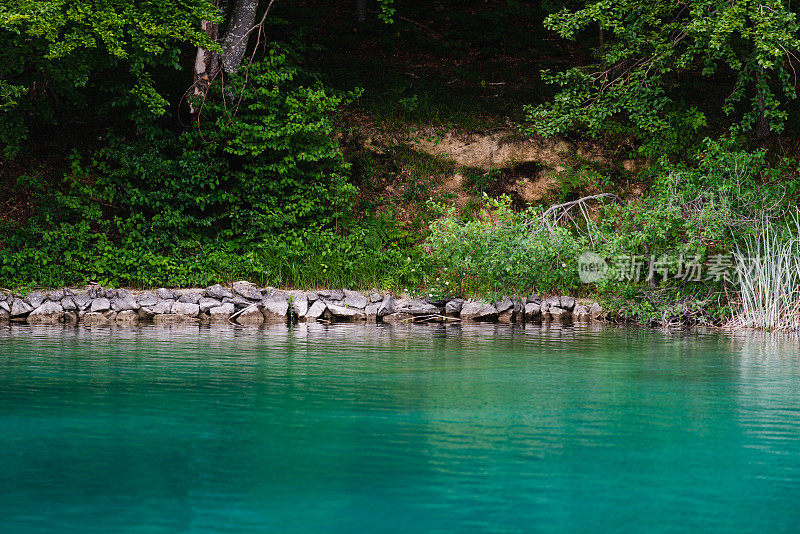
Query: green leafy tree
x=651, y=45
x=66, y=54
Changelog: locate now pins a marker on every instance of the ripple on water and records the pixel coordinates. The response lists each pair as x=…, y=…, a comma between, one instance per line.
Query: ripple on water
x=342, y=428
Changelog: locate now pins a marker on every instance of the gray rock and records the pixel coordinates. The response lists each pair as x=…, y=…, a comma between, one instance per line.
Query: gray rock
x=147, y=299
x=19, y=307
x=218, y=292
x=95, y=318
x=5, y=305
x=317, y=310
x=247, y=290
x=69, y=304
x=477, y=310
x=556, y=312
x=508, y=317
x=595, y=310
x=276, y=306
x=35, y=299
x=48, y=313
x=416, y=307
x=186, y=308
x=4, y=296
x=238, y=302
x=68, y=292
x=124, y=303
x=581, y=313
x=513, y=314
x=299, y=303
x=206, y=304
x=346, y=313
x=56, y=295
x=163, y=307
x=190, y=297
x=222, y=313
x=274, y=318
x=4, y=315
x=250, y=316
x=110, y=314
x=503, y=305
x=122, y=293
x=312, y=296
x=553, y=301
x=375, y=297
x=222, y=309
x=145, y=313
x=534, y=298
x=387, y=306
x=354, y=299
x=331, y=294
x=568, y=303
x=100, y=293
x=533, y=311
x=166, y=294
x=81, y=300
x=371, y=311
x=453, y=307
x=100, y=305
x=127, y=317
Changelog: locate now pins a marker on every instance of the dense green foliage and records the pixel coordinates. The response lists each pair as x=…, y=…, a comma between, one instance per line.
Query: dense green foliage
x=650, y=46
x=301, y=169
x=253, y=194
x=502, y=252
x=59, y=58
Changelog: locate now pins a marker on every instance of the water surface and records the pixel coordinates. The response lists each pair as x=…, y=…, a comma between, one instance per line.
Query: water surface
x=397, y=429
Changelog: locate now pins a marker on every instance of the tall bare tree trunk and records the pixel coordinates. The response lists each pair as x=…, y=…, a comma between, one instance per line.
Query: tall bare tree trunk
x=234, y=44
x=206, y=65
x=241, y=20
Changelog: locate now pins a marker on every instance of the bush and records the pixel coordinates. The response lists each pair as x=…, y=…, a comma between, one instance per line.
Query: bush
x=260, y=191
x=502, y=252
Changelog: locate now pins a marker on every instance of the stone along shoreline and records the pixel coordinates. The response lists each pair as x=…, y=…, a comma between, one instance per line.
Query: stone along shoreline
x=246, y=304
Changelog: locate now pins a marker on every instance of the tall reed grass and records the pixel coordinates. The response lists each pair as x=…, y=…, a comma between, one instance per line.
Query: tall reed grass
x=768, y=271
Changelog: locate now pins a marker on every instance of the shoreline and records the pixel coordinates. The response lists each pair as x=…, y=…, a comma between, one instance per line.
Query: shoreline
x=246, y=304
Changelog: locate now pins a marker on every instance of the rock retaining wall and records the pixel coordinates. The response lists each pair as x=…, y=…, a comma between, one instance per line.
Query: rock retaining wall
x=247, y=304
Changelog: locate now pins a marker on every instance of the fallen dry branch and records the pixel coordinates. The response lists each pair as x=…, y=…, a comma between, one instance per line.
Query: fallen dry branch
x=566, y=206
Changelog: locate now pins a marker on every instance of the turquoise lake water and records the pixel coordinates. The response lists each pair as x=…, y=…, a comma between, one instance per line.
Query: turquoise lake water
x=403, y=429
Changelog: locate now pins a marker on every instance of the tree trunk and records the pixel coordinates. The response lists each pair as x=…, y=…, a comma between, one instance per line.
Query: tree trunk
x=241, y=15
x=361, y=11
x=234, y=44
x=206, y=65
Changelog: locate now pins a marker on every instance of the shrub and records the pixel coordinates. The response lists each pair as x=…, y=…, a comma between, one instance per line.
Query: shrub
x=260, y=191
x=501, y=252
